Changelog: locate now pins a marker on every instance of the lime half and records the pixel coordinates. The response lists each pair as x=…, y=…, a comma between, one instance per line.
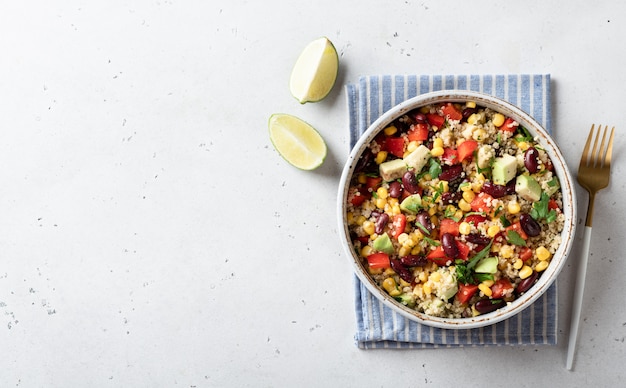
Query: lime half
x=315, y=72
x=297, y=141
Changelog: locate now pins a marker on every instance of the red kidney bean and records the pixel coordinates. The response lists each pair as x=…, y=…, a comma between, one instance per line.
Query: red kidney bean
x=450, y=198
x=420, y=118
x=424, y=219
x=525, y=284
x=531, y=160
x=410, y=182
x=529, y=225
x=449, y=245
x=496, y=191
x=484, y=306
x=467, y=112
x=414, y=260
x=395, y=189
x=401, y=270
x=477, y=238
x=381, y=222
x=451, y=173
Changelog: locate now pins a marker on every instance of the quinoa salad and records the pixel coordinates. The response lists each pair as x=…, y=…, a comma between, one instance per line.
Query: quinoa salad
x=455, y=210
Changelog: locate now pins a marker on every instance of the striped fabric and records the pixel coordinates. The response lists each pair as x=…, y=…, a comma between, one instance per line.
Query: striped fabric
x=377, y=325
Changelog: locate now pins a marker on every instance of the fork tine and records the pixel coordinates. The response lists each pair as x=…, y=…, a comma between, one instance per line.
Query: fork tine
x=609, y=150
x=599, y=157
x=593, y=158
x=584, y=158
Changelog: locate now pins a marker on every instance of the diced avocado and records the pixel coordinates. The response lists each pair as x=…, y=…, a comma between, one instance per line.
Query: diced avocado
x=407, y=299
x=383, y=244
x=487, y=265
x=450, y=292
x=528, y=188
x=552, y=186
x=392, y=169
x=418, y=158
x=411, y=204
x=504, y=169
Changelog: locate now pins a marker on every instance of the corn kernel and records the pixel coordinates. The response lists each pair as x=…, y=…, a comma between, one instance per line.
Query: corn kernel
x=436, y=151
x=542, y=253
x=506, y=251
x=464, y=205
x=389, y=272
x=381, y=202
x=479, y=134
x=523, y=145
x=484, y=289
x=360, y=220
x=465, y=228
x=390, y=130
x=525, y=272
x=404, y=283
x=469, y=196
x=493, y=230
x=513, y=207
x=391, y=287
x=465, y=186
x=519, y=263
x=402, y=237
x=438, y=142
x=350, y=218
x=404, y=251
x=395, y=209
x=444, y=186
x=458, y=214
x=422, y=276
x=472, y=119
x=542, y=265
x=369, y=227
x=416, y=250
x=432, y=210
x=470, y=104
x=381, y=156
x=374, y=271
x=427, y=288
x=498, y=119
x=435, y=277
x=412, y=146
x=366, y=251
x=382, y=192
x=488, y=283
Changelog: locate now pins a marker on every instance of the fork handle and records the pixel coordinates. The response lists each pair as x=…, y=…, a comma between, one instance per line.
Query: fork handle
x=579, y=288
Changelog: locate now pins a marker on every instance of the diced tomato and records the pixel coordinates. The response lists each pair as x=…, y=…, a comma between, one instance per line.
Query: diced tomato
x=464, y=250
x=448, y=225
x=378, y=260
x=501, y=288
x=552, y=205
x=482, y=203
x=363, y=239
x=452, y=112
x=466, y=150
x=525, y=253
x=435, y=119
x=509, y=125
x=418, y=132
x=358, y=199
x=373, y=182
x=398, y=224
x=450, y=156
x=438, y=257
x=395, y=146
x=516, y=227
x=475, y=219
x=466, y=291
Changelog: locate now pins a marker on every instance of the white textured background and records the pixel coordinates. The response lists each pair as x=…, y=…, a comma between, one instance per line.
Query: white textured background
x=151, y=236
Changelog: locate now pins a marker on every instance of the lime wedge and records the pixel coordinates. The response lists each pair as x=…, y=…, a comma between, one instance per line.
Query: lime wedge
x=297, y=141
x=315, y=72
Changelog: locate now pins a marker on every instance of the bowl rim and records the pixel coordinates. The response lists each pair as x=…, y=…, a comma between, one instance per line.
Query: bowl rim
x=541, y=136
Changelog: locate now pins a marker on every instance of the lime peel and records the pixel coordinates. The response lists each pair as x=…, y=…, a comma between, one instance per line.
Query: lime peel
x=315, y=71
x=297, y=141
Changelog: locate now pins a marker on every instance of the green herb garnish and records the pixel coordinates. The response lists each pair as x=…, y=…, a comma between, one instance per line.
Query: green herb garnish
x=434, y=168
x=514, y=238
x=541, y=209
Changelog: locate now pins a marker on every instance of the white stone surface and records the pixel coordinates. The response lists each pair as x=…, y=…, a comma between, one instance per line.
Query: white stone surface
x=151, y=236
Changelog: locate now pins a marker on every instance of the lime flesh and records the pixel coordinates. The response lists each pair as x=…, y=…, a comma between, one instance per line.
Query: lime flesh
x=315, y=71
x=297, y=141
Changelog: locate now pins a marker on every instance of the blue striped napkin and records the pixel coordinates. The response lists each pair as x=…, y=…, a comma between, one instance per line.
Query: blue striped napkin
x=377, y=325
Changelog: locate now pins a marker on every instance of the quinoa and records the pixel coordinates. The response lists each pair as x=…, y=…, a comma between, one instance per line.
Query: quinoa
x=471, y=210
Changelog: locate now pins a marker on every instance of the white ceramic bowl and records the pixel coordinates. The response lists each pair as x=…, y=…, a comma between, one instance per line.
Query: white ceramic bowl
x=560, y=167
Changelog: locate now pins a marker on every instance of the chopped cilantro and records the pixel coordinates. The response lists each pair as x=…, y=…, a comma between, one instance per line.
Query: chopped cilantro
x=464, y=273
x=434, y=168
x=514, y=238
x=541, y=209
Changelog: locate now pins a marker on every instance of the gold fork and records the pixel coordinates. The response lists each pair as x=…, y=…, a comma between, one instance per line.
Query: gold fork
x=593, y=175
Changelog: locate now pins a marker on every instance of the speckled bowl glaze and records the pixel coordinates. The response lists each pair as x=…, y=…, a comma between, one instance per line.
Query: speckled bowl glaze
x=560, y=167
